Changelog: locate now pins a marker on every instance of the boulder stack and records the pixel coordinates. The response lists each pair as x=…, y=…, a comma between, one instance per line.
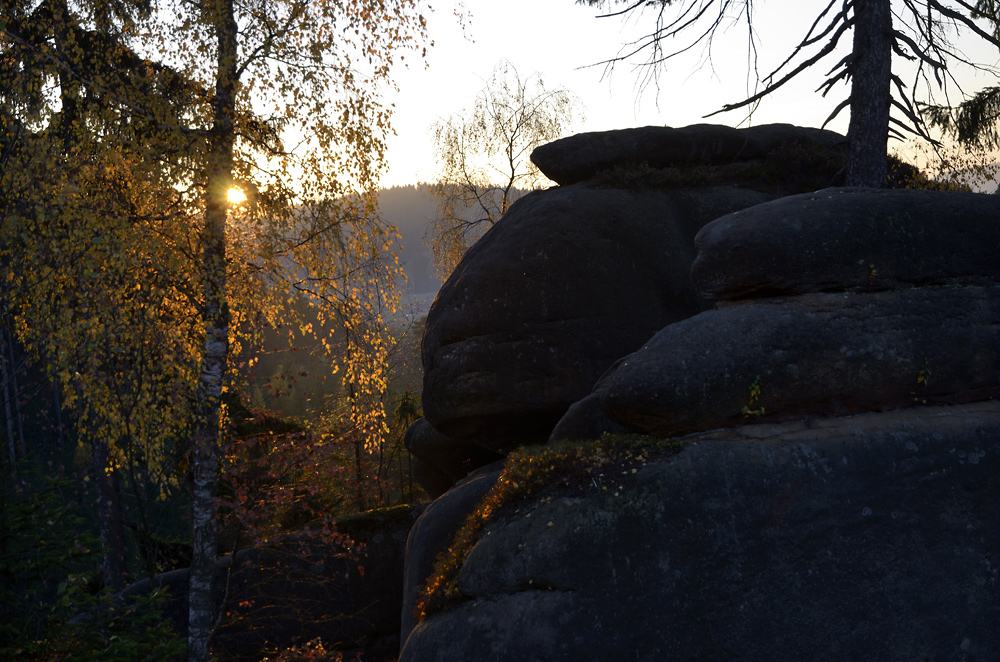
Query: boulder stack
x=869, y=538
x=885, y=299
x=830, y=376
x=575, y=277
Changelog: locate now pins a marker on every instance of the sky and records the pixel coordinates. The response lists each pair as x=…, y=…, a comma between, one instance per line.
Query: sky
x=562, y=41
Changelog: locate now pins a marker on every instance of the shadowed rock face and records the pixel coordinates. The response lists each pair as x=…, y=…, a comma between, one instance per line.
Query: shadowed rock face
x=863, y=538
x=810, y=355
x=889, y=298
x=568, y=281
x=440, y=460
x=432, y=534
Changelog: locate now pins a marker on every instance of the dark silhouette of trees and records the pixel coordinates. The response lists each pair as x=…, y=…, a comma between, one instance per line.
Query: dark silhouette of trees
x=881, y=103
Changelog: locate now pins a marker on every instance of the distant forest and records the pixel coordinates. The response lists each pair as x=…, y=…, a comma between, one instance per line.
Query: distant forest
x=411, y=208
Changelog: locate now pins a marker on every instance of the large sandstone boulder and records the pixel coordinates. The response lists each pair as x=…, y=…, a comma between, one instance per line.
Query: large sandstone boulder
x=585, y=155
x=811, y=355
x=838, y=239
x=433, y=533
x=869, y=538
x=895, y=300
x=570, y=280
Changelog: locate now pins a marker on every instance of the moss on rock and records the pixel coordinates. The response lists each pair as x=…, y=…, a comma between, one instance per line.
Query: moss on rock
x=537, y=474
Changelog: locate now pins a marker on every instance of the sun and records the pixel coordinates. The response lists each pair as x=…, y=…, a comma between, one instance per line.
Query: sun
x=235, y=195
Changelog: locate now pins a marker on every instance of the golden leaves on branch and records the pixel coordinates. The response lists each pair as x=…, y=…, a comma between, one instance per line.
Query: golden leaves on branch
x=102, y=208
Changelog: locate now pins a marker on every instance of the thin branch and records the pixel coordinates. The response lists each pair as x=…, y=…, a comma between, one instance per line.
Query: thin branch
x=624, y=11
x=829, y=48
x=836, y=111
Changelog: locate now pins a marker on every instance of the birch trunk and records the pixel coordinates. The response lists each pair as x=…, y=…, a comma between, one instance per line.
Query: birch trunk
x=5, y=376
x=205, y=461
x=868, y=131
x=109, y=516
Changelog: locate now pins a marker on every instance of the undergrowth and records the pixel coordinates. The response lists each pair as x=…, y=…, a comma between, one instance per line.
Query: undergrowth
x=786, y=170
x=571, y=468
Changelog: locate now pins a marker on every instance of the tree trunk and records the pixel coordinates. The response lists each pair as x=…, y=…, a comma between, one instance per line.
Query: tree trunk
x=5, y=376
x=215, y=314
x=109, y=516
x=57, y=407
x=16, y=396
x=868, y=131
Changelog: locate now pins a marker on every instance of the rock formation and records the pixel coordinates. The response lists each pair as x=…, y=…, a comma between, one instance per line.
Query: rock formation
x=834, y=492
x=582, y=156
x=870, y=538
x=575, y=277
x=850, y=240
x=432, y=535
x=568, y=281
x=439, y=461
x=846, y=343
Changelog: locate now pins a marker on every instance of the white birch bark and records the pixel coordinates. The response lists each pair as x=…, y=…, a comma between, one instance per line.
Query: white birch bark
x=205, y=457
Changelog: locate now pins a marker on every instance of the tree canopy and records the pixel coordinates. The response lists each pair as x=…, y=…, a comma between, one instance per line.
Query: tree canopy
x=124, y=126
x=880, y=102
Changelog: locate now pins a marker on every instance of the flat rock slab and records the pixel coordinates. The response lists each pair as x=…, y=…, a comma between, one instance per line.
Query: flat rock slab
x=870, y=538
x=840, y=239
x=810, y=355
x=570, y=280
x=582, y=156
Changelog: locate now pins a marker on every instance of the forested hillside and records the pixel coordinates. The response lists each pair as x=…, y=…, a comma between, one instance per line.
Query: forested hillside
x=411, y=209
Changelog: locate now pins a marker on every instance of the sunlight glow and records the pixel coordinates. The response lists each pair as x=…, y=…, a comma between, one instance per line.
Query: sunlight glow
x=236, y=195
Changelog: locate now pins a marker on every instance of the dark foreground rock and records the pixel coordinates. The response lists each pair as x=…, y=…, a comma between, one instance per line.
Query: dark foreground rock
x=870, y=538
x=567, y=282
x=842, y=239
x=582, y=156
x=296, y=590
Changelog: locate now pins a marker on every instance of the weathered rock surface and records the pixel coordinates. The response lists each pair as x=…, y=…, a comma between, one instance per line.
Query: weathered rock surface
x=866, y=538
x=447, y=460
x=585, y=420
x=433, y=533
x=567, y=282
x=810, y=355
x=290, y=593
x=839, y=239
x=582, y=156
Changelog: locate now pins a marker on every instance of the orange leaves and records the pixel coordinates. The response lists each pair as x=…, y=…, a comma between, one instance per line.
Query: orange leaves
x=275, y=479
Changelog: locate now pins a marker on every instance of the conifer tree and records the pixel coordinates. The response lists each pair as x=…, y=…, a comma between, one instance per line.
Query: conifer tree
x=881, y=104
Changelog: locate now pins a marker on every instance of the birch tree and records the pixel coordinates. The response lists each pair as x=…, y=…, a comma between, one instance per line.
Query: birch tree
x=484, y=158
x=880, y=102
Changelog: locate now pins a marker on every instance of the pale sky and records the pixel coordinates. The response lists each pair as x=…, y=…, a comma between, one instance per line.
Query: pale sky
x=558, y=39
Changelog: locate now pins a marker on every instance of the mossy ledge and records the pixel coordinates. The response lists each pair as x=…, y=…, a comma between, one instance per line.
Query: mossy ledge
x=571, y=468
